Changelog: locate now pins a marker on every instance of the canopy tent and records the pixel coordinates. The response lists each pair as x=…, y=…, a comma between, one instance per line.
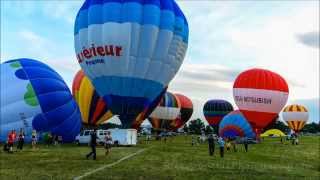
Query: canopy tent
x=273, y=133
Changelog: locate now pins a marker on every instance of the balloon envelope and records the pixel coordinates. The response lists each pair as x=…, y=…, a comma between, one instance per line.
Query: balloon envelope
x=173, y=111
x=234, y=124
x=34, y=96
x=295, y=116
x=260, y=95
x=214, y=110
x=130, y=50
x=186, y=110
x=94, y=110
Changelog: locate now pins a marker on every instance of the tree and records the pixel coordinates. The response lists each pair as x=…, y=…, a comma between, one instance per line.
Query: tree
x=185, y=128
x=311, y=128
x=278, y=125
x=196, y=126
x=209, y=129
x=109, y=126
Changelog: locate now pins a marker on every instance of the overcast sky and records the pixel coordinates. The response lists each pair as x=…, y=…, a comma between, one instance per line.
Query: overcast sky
x=226, y=37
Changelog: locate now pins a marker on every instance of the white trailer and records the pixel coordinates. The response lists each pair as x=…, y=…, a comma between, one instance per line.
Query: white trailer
x=124, y=136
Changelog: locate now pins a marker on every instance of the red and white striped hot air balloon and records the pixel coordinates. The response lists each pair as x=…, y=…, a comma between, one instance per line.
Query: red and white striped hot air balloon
x=260, y=95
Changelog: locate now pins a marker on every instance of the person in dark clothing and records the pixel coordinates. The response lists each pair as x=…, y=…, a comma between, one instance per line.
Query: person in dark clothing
x=211, y=144
x=20, y=140
x=245, y=143
x=93, y=144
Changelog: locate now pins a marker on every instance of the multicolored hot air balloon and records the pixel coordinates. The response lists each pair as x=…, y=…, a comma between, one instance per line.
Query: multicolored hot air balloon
x=94, y=110
x=260, y=95
x=130, y=50
x=234, y=124
x=214, y=110
x=186, y=110
x=173, y=111
x=295, y=116
x=34, y=96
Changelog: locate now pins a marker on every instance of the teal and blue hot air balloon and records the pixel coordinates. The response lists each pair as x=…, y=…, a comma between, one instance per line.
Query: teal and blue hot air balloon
x=234, y=124
x=34, y=96
x=130, y=50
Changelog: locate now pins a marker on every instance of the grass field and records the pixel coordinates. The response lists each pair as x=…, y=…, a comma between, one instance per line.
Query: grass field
x=175, y=159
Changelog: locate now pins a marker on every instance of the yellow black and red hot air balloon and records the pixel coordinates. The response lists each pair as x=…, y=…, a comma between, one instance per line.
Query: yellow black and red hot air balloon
x=295, y=116
x=93, y=109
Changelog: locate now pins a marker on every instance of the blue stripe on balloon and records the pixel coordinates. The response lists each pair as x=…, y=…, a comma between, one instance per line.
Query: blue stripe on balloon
x=113, y=12
x=167, y=20
x=43, y=86
x=115, y=86
x=53, y=100
x=94, y=14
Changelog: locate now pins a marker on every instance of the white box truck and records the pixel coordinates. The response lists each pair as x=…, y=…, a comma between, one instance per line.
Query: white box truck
x=124, y=136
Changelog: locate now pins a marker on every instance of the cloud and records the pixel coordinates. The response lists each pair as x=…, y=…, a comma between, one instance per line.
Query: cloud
x=274, y=46
x=63, y=10
x=310, y=39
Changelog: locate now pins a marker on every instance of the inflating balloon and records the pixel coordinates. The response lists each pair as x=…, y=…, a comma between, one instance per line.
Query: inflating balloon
x=173, y=111
x=295, y=116
x=130, y=50
x=34, y=96
x=260, y=95
x=234, y=124
x=94, y=110
x=214, y=110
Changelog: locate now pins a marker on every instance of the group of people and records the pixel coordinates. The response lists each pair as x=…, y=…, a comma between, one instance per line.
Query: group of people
x=227, y=143
x=19, y=138
x=294, y=139
x=93, y=143
x=53, y=139
x=12, y=138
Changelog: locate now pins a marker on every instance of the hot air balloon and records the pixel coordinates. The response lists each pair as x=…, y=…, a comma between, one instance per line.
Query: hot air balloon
x=295, y=116
x=173, y=111
x=260, y=95
x=234, y=124
x=130, y=50
x=186, y=110
x=34, y=96
x=94, y=110
x=147, y=111
x=214, y=110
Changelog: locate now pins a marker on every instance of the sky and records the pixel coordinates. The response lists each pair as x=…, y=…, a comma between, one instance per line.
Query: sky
x=226, y=38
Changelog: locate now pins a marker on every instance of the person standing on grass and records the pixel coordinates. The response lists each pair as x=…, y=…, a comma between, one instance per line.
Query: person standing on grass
x=11, y=139
x=108, y=143
x=211, y=144
x=93, y=144
x=221, y=145
x=60, y=140
x=293, y=139
x=193, y=140
x=34, y=139
x=228, y=144
x=20, y=140
x=234, y=146
x=55, y=140
x=245, y=143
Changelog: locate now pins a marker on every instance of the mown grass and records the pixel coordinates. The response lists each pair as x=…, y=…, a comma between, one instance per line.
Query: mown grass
x=175, y=159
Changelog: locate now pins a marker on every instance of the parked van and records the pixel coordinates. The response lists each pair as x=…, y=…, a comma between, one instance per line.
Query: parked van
x=119, y=136
x=84, y=136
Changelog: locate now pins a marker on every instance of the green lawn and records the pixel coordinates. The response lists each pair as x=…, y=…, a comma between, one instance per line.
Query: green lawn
x=176, y=159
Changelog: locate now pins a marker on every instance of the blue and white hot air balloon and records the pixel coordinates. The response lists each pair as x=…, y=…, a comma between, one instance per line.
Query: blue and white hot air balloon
x=34, y=96
x=130, y=50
